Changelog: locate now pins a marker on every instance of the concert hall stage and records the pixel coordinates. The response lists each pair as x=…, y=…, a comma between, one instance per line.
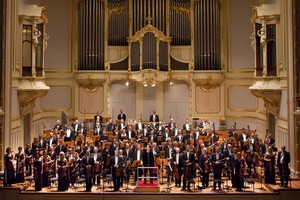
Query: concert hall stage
x=255, y=191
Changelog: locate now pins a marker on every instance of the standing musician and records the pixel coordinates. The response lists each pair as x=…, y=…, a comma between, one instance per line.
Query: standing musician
x=127, y=153
x=9, y=174
x=177, y=167
x=137, y=155
x=148, y=161
x=283, y=161
x=97, y=118
x=73, y=164
x=76, y=126
x=37, y=169
x=121, y=115
x=28, y=160
x=36, y=145
x=188, y=159
x=110, y=126
x=69, y=134
x=122, y=125
x=269, y=141
x=154, y=117
x=232, y=159
x=63, y=178
x=250, y=150
x=168, y=155
x=239, y=170
x=217, y=166
x=60, y=147
x=242, y=138
x=20, y=157
x=97, y=166
x=187, y=126
x=52, y=140
x=116, y=162
x=205, y=167
x=97, y=129
x=46, y=168
x=87, y=163
x=269, y=164
x=139, y=125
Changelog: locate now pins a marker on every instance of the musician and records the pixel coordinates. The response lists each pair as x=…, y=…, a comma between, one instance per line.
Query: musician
x=20, y=157
x=152, y=137
x=88, y=163
x=36, y=145
x=76, y=126
x=63, y=178
x=122, y=115
x=122, y=125
x=154, y=117
x=73, y=164
x=217, y=166
x=168, y=155
x=116, y=162
x=228, y=151
x=148, y=161
x=60, y=147
x=103, y=137
x=269, y=164
x=171, y=124
x=139, y=125
x=82, y=130
x=250, y=156
x=232, y=132
x=9, y=174
x=130, y=133
x=239, y=170
x=46, y=160
x=283, y=161
x=110, y=126
x=52, y=140
x=166, y=135
x=43, y=141
x=214, y=137
x=58, y=126
x=188, y=159
x=28, y=160
x=37, y=169
x=232, y=159
x=205, y=167
x=122, y=136
x=88, y=147
x=187, y=126
x=242, y=138
x=137, y=155
x=155, y=150
x=179, y=137
x=197, y=133
x=128, y=154
x=175, y=130
x=97, y=168
x=106, y=155
x=269, y=141
x=98, y=118
x=97, y=129
x=69, y=134
x=224, y=145
x=177, y=167
x=159, y=128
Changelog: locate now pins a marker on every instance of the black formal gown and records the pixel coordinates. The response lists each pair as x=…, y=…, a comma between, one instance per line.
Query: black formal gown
x=37, y=168
x=20, y=168
x=9, y=175
x=63, y=180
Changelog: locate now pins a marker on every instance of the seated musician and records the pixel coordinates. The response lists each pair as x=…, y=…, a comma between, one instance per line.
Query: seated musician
x=175, y=130
x=137, y=155
x=171, y=124
x=98, y=129
x=88, y=147
x=58, y=126
x=130, y=132
x=103, y=137
x=152, y=137
x=205, y=167
x=239, y=170
x=63, y=178
x=159, y=128
x=188, y=159
x=148, y=161
x=155, y=150
x=283, y=161
x=139, y=125
x=197, y=133
x=122, y=125
x=179, y=136
x=232, y=132
x=88, y=164
x=69, y=134
x=123, y=138
x=166, y=134
x=177, y=167
x=187, y=126
x=217, y=166
x=116, y=161
x=97, y=165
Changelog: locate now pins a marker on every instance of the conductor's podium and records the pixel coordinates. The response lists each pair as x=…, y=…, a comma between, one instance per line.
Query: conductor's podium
x=149, y=186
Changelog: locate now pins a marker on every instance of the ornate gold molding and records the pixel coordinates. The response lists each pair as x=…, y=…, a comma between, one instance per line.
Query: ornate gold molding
x=90, y=80
x=150, y=76
x=181, y=10
x=208, y=80
x=117, y=10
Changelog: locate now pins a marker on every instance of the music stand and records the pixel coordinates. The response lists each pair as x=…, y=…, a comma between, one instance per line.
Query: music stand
x=163, y=162
x=136, y=164
x=261, y=177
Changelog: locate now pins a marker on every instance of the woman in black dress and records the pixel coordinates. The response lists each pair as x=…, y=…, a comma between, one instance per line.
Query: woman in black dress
x=20, y=157
x=46, y=168
x=63, y=182
x=269, y=163
x=239, y=170
x=9, y=173
x=37, y=169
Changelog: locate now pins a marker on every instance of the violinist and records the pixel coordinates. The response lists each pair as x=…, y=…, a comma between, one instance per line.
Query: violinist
x=28, y=159
x=46, y=168
x=242, y=138
x=232, y=159
x=106, y=156
x=250, y=150
x=20, y=157
x=127, y=153
x=116, y=161
x=73, y=164
x=88, y=163
x=205, y=167
x=177, y=165
x=37, y=169
x=168, y=155
x=63, y=179
x=217, y=166
x=239, y=170
x=9, y=175
x=188, y=159
x=98, y=164
x=269, y=164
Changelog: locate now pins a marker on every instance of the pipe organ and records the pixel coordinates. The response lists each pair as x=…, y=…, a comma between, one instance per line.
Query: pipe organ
x=125, y=18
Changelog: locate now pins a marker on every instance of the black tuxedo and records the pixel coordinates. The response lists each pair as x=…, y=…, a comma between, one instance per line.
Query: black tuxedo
x=133, y=135
x=137, y=126
x=217, y=168
x=97, y=131
x=88, y=163
x=283, y=161
x=128, y=155
x=156, y=117
x=71, y=136
x=184, y=127
x=98, y=117
x=122, y=116
x=148, y=161
x=110, y=127
x=152, y=137
x=74, y=126
x=60, y=148
x=241, y=140
x=115, y=175
x=167, y=153
x=54, y=141
x=187, y=159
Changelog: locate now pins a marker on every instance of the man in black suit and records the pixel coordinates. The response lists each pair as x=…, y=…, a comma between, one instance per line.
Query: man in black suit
x=110, y=126
x=130, y=132
x=139, y=125
x=177, y=163
x=52, y=140
x=188, y=160
x=76, y=126
x=97, y=161
x=61, y=147
x=116, y=161
x=187, y=126
x=148, y=161
x=154, y=116
x=88, y=163
x=121, y=116
x=283, y=161
x=98, y=118
x=242, y=138
x=69, y=134
x=137, y=155
x=217, y=166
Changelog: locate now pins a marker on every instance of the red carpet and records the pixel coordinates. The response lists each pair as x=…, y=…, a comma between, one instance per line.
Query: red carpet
x=148, y=184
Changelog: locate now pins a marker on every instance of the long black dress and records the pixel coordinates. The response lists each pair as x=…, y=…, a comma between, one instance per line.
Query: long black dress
x=270, y=169
x=20, y=168
x=37, y=168
x=46, y=168
x=63, y=182
x=9, y=174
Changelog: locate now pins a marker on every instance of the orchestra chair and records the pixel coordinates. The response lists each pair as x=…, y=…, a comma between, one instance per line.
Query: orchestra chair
x=183, y=132
x=109, y=181
x=191, y=182
x=112, y=138
x=79, y=181
x=79, y=138
x=69, y=144
x=89, y=135
x=46, y=134
x=53, y=181
x=28, y=181
x=249, y=183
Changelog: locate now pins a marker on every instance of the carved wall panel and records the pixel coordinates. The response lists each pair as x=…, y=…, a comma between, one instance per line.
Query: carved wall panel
x=283, y=110
x=208, y=102
x=15, y=139
x=59, y=98
x=91, y=101
x=240, y=98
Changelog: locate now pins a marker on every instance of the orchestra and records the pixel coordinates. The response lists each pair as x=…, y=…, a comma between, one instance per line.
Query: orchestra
x=123, y=148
